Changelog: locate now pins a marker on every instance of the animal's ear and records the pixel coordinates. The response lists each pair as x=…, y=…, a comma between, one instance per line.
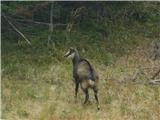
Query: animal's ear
x=76, y=49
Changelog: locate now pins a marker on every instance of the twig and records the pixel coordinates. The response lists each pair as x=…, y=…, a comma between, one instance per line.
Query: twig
x=140, y=70
x=154, y=81
x=136, y=74
x=31, y=21
x=37, y=22
x=41, y=23
x=156, y=74
x=16, y=29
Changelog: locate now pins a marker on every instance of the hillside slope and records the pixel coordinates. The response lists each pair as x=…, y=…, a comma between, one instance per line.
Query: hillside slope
x=37, y=88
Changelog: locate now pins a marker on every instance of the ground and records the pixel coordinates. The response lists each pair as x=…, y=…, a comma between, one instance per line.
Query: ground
x=47, y=92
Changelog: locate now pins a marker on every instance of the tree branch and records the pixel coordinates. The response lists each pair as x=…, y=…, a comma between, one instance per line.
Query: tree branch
x=16, y=29
x=137, y=72
x=156, y=74
x=37, y=22
x=31, y=21
x=154, y=82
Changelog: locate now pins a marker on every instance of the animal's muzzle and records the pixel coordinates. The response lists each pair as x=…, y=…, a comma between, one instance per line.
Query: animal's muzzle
x=67, y=54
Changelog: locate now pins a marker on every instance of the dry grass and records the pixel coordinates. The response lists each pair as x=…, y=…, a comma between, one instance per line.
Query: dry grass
x=47, y=94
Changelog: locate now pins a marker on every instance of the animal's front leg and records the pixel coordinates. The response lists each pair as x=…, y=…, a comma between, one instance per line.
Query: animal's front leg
x=76, y=89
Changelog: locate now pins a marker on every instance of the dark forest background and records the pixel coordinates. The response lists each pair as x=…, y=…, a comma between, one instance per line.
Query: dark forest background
x=109, y=27
x=118, y=38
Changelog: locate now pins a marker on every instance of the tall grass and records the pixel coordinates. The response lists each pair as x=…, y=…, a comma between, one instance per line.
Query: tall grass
x=34, y=87
x=37, y=81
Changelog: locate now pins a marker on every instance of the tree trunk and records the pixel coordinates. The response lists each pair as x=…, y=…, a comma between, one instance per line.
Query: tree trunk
x=50, y=36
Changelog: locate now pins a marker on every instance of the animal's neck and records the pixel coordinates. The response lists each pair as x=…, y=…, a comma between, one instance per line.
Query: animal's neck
x=76, y=58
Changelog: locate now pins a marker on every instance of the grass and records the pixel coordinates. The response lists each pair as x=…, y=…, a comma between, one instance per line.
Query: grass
x=37, y=81
x=40, y=87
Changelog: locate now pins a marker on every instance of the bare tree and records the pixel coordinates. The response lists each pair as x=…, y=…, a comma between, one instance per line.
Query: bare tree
x=51, y=25
x=75, y=13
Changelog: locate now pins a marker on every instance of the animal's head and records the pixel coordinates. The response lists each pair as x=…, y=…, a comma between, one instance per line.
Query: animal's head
x=71, y=53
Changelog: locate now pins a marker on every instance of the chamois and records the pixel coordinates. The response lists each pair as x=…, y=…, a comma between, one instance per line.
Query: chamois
x=83, y=74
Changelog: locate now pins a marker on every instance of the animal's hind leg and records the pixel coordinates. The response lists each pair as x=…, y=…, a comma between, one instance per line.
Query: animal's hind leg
x=96, y=96
x=84, y=87
x=86, y=95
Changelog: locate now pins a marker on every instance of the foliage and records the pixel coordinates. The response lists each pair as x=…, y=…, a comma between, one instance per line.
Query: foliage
x=113, y=36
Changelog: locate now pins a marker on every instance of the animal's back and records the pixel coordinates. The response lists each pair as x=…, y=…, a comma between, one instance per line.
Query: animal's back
x=86, y=71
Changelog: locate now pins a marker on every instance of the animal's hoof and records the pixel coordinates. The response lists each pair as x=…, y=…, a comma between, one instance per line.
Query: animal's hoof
x=98, y=108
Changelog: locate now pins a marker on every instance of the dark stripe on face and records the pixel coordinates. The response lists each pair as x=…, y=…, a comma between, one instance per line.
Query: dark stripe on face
x=69, y=52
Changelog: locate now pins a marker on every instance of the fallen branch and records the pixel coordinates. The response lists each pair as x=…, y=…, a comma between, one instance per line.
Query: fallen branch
x=154, y=82
x=16, y=29
x=143, y=68
x=136, y=74
x=140, y=70
x=156, y=74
